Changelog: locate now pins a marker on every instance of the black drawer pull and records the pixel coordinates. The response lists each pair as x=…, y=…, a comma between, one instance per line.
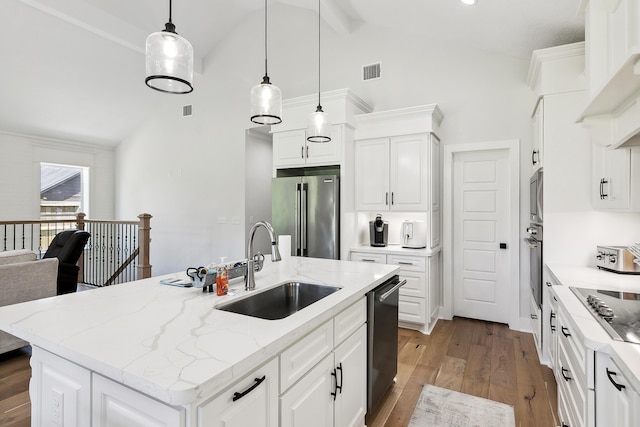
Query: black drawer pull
x=334, y=393
x=339, y=387
x=368, y=260
x=619, y=387
x=405, y=263
x=258, y=381
x=566, y=378
x=565, y=332
x=548, y=284
x=551, y=325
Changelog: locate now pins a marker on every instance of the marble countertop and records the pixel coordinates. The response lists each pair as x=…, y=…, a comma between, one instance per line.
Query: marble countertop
x=170, y=342
x=625, y=355
x=395, y=249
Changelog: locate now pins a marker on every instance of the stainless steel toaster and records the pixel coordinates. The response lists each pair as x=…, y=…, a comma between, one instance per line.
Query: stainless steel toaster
x=617, y=259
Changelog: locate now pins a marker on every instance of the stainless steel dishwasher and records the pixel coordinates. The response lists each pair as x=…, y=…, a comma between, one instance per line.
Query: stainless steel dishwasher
x=382, y=339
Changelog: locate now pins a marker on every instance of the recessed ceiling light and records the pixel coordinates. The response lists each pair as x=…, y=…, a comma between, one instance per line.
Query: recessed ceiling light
x=469, y=2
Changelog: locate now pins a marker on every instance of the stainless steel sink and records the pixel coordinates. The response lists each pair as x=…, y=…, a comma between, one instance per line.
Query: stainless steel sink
x=281, y=301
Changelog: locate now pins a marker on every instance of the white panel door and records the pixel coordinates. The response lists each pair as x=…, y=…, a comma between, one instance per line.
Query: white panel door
x=408, y=173
x=372, y=175
x=480, y=225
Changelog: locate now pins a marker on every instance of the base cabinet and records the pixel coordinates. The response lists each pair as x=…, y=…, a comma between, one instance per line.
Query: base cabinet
x=617, y=403
x=252, y=401
x=420, y=299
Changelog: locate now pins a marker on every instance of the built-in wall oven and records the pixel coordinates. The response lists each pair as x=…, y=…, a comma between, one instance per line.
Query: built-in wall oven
x=534, y=235
x=534, y=241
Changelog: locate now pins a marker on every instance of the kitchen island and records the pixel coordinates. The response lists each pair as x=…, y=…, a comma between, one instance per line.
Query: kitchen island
x=142, y=353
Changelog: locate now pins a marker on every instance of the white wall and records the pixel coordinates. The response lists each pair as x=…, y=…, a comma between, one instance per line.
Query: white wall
x=20, y=158
x=258, y=171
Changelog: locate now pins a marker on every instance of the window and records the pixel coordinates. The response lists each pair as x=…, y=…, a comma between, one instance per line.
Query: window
x=63, y=191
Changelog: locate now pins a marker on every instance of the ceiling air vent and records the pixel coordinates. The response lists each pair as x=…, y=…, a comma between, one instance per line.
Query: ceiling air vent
x=187, y=110
x=371, y=72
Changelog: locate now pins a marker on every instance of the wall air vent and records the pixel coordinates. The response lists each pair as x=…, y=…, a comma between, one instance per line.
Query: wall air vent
x=371, y=72
x=187, y=110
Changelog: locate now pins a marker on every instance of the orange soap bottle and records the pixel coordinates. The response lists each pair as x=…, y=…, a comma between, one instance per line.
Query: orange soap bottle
x=222, y=279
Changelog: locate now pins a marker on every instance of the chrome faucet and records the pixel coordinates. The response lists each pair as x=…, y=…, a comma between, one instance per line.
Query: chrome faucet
x=249, y=279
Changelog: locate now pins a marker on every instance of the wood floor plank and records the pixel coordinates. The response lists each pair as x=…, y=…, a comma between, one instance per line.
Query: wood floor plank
x=408, y=357
x=451, y=373
x=401, y=414
x=461, y=339
x=503, y=368
x=482, y=333
x=477, y=372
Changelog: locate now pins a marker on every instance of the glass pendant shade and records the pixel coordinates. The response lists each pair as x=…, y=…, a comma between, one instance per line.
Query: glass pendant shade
x=266, y=103
x=169, y=62
x=319, y=127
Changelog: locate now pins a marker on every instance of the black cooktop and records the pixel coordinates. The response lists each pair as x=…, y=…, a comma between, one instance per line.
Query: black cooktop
x=617, y=312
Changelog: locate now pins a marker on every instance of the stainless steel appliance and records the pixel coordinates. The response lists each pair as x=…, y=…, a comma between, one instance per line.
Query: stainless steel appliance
x=618, y=259
x=378, y=232
x=414, y=234
x=536, y=197
x=534, y=241
x=308, y=209
x=617, y=312
x=382, y=339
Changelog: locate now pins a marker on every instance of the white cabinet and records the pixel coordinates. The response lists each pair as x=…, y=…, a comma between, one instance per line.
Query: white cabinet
x=291, y=149
x=331, y=392
x=393, y=173
x=252, y=401
x=419, y=299
x=60, y=391
x=549, y=321
x=616, y=179
x=114, y=405
x=574, y=374
x=535, y=313
x=537, y=135
x=617, y=403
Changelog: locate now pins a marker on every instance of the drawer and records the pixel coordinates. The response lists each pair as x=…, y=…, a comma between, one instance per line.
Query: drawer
x=411, y=309
x=303, y=355
x=565, y=417
x=366, y=257
x=348, y=321
x=568, y=336
x=415, y=286
x=573, y=390
x=408, y=263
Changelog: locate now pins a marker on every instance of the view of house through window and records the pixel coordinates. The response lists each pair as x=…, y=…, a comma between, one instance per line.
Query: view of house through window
x=63, y=191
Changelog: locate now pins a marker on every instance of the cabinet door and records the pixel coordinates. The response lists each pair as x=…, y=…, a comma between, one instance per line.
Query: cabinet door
x=537, y=135
x=611, y=177
x=115, y=405
x=408, y=179
x=616, y=402
x=255, y=404
x=326, y=153
x=536, y=323
x=289, y=148
x=351, y=374
x=372, y=175
x=369, y=257
x=309, y=402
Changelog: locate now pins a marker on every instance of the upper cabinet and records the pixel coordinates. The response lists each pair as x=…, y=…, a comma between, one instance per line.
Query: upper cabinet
x=612, y=34
x=537, y=135
x=397, y=160
x=290, y=146
x=616, y=179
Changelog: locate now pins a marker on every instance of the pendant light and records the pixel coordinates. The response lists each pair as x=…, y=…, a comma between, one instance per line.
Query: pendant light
x=318, y=128
x=169, y=61
x=266, y=99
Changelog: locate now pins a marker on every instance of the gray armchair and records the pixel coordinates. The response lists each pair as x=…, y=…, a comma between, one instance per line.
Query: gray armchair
x=23, y=278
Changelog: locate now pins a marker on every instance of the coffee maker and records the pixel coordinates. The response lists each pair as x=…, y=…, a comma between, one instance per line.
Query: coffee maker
x=378, y=231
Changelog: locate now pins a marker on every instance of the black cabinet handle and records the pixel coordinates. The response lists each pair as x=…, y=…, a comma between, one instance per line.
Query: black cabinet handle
x=258, y=381
x=566, y=378
x=548, y=284
x=534, y=316
x=392, y=198
x=551, y=317
x=386, y=198
x=619, y=387
x=533, y=157
x=565, y=332
x=339, y=387
x=334, y=393
x=565, y=425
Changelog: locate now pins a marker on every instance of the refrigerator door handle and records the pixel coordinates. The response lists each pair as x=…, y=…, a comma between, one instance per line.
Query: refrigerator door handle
x=296, y=226
x=303, y=221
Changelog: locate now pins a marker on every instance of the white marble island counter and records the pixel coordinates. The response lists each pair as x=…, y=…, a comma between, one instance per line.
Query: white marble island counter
x=170, y=343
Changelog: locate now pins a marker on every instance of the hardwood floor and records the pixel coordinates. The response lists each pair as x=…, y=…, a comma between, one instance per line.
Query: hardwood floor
x=15, y=406
x=471, y=356
x=483, y=359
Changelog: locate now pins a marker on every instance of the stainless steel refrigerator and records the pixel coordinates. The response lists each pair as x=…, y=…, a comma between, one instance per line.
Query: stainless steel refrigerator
x=308, y=209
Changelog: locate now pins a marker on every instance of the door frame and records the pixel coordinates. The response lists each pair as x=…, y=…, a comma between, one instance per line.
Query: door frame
x=513, y=148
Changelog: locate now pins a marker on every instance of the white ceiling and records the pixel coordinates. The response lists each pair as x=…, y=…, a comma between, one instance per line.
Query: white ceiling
x=54, y=81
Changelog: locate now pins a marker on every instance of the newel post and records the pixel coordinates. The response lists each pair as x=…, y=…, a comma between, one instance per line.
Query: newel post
x=144, y=239
x=80, y=226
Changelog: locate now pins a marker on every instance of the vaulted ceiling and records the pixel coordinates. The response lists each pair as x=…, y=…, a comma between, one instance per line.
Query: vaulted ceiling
x=66, y=63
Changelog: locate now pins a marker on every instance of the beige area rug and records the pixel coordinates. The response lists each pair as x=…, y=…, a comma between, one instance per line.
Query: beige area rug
x=439, y=407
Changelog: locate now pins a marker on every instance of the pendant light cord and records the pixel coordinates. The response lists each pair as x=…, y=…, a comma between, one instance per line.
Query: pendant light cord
x=265, y=38
x=170, y=12
x=319, y=54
